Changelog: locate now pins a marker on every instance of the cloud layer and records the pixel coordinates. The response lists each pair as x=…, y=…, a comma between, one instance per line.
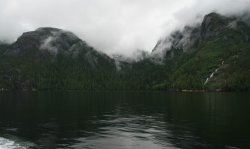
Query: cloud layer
x=111, y=26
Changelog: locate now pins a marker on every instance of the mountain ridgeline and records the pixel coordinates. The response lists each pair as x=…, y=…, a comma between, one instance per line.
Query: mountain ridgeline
x=212, y=55
x=50, y=58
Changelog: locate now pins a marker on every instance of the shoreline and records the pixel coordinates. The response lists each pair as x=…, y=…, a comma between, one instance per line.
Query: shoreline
x=126, y=90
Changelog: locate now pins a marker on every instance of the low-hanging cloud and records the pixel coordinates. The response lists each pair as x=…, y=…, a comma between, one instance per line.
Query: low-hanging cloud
x=111, y=26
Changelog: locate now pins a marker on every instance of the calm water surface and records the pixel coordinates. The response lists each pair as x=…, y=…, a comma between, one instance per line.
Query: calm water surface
x=124, y=120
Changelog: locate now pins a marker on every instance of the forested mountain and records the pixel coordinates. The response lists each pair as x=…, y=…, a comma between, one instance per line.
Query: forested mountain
x=50, y=58
x=212, y=55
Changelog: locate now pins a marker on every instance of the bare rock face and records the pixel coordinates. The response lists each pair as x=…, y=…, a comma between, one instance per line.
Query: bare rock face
x=213, y=24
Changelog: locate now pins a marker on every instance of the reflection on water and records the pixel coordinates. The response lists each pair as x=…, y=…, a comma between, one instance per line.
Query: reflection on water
x=127, y=120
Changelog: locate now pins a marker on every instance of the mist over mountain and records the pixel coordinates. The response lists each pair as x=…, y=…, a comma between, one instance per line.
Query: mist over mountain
x=211, y=55
x=51, y=58
x=111, y=26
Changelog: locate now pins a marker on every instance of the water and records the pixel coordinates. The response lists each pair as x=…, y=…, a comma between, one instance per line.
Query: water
x=124, y=120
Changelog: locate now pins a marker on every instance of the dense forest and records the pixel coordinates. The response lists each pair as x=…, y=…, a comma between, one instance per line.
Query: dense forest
x=212, y=55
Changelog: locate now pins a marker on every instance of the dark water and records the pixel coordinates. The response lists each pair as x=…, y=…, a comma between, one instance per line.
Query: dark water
x=124, y=120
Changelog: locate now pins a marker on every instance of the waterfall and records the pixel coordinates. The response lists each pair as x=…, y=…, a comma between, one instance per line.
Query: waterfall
x=212, y=74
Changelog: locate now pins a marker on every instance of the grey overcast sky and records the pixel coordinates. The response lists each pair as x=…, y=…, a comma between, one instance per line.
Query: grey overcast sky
x=111, y=26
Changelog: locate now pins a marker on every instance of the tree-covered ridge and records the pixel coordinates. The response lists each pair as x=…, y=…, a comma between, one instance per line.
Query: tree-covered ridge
x=217, y=58
x=213, y=55
x=50, y=58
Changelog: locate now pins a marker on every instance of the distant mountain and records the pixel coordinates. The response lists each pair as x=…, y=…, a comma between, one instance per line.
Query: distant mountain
x=122, y=61
x=212, y=55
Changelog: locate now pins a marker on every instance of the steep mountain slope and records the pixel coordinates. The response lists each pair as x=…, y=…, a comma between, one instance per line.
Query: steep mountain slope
x=53, y=58
x=214, y=55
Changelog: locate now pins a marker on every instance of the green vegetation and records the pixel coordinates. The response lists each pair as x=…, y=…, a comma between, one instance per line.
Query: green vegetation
x=228, y=52
x=218, y=59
